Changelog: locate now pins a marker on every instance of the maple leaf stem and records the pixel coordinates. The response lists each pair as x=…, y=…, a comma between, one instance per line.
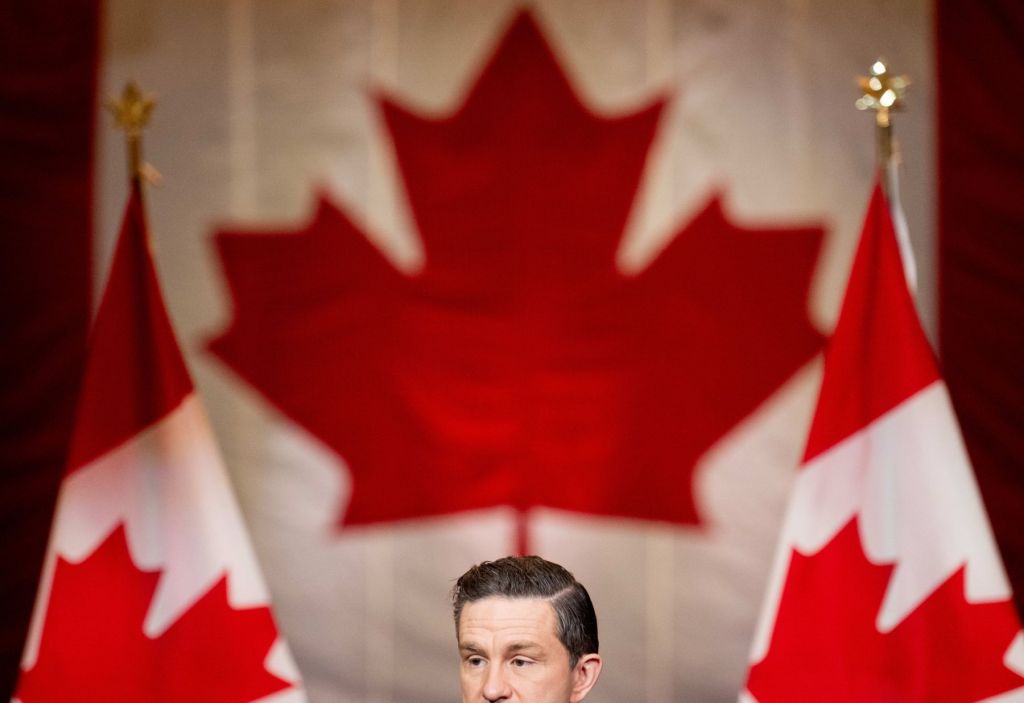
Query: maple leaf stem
x=522, y=536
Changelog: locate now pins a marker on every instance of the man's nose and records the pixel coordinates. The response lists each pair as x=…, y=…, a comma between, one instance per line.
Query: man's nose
x=496, y=686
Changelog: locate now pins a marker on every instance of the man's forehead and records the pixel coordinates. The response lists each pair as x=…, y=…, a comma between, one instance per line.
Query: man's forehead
x=508, y=616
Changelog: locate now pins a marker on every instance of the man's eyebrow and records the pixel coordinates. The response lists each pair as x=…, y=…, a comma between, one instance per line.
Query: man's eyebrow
x=512, y=648
x=522, y=647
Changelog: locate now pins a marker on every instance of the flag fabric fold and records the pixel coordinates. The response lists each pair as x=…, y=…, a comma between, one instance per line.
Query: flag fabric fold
x=150, y=590
x=887, y=585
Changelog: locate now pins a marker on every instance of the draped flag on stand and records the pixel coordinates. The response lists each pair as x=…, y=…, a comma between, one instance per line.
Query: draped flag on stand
x=887, y=584
x=150, y=590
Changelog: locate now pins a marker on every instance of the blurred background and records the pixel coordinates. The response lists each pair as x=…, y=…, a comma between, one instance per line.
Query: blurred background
x=441, y=122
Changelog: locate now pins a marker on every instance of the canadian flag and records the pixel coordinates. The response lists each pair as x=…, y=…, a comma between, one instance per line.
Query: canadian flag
x=150, y=590
x=887, y=584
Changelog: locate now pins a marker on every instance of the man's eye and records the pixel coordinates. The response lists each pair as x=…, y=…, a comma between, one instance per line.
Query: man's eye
x=519, y=663
x=475, y=661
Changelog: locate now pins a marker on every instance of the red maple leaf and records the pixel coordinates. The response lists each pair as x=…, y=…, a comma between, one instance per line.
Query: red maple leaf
x=519, y=366
x=93, y=647
x=826, y=646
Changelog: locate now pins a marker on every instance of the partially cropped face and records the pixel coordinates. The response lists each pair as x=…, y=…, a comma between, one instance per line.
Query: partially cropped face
x=510, y=652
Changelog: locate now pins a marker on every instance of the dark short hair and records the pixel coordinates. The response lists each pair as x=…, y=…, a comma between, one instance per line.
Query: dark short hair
x=533, y=577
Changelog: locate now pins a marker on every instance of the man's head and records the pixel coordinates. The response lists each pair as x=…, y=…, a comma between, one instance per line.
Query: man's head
x=527, y=633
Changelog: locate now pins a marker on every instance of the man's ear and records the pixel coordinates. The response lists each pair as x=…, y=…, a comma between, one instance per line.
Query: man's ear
x=584, y=676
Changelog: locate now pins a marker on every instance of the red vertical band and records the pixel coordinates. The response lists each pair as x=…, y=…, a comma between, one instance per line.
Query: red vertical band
x=48, y=52
x=981, y=235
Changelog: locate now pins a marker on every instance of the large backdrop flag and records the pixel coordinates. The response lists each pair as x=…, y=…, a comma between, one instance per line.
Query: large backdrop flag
x=887, y=583
x=151, y=590
x=519, y=366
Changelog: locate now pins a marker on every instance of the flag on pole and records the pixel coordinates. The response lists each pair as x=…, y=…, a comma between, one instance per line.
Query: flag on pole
x=150, y=590
x=887, y=584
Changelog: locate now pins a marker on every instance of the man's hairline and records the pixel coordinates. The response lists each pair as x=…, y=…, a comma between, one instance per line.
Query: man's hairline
x=550, y=600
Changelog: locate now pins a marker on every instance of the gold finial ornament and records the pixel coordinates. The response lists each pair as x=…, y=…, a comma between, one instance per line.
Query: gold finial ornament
x=131, y=113
x=882, y=92
x=133, y=109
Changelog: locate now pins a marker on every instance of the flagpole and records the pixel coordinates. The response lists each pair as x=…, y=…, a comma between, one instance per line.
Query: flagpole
x=131, y=113
x=883, y=93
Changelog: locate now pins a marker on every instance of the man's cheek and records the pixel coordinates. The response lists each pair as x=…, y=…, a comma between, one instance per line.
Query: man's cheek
x=470, y=683
x=534, y=673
